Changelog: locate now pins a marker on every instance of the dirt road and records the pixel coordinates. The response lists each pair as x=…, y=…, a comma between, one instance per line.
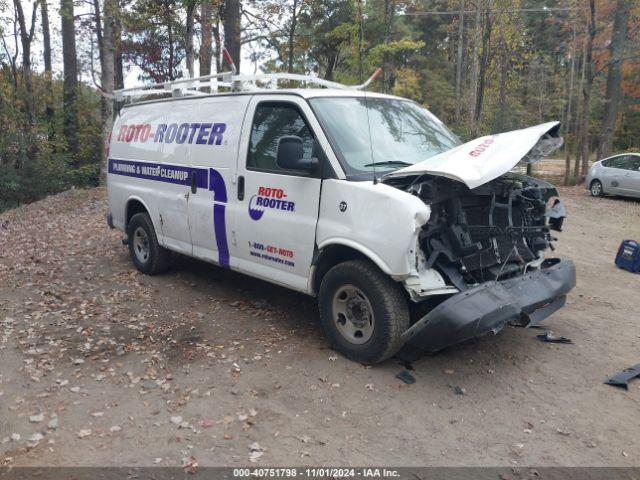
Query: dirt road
x=100, y=365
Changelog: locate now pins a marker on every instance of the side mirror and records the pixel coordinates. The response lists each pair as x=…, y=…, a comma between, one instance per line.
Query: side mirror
x=290, y=153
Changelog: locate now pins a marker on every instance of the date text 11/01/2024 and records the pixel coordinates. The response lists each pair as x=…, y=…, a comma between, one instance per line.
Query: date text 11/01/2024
x=322, y=472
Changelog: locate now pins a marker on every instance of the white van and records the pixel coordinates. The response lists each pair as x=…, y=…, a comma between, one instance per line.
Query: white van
x=364, y=200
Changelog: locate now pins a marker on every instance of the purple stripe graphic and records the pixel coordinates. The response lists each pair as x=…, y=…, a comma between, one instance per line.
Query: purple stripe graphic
x=159, y=172
x=217, y=186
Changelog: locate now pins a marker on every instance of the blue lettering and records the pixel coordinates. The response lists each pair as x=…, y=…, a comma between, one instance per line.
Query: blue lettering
x=200, y=133
x=216, y=133
x=183, y=133
x=201, y=139
x=171, y=133
x=194, y=127
x=160, y=132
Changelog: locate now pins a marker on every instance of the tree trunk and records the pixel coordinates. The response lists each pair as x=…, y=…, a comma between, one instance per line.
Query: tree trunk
x=98, y=28
x=578, y=119
x=206, y=12
x=217, y=43
x=360, y=41
x=482, y=70
x=567, y=115
x=475, y=68
x=292, y=33
x=170, y=39
x=500, y=125
x=389, y=13
x=48, y=74
x=459, y=62
x=232, y=30
x=101, y=54
x=70, y=87
x=586, y=92
x=614, y=75
x=190, y=52
x=332, y=57
x=107, y=78
x=117, y=37
x=26, y=36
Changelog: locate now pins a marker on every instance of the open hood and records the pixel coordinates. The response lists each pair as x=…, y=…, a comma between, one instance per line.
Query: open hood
x=486, y=158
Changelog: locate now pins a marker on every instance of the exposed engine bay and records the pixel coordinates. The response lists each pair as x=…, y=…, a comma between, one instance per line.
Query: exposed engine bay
x=480, y=254
x=492, y=232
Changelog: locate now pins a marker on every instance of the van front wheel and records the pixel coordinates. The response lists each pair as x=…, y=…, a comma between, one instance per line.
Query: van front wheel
x=363, y=312
x=146, y=253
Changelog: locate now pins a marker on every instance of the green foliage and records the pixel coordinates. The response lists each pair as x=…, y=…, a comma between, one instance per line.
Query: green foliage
x=395, y=49
x=33, y=162
x=153, y=38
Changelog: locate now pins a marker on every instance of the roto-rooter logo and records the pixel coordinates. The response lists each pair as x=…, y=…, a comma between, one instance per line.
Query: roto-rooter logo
x=481, y=147
x=267, y=197
x=198, y=133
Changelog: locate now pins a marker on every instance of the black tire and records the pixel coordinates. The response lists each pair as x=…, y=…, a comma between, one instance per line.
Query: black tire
x=155, y=259
x=595, y=188
x=388, y=303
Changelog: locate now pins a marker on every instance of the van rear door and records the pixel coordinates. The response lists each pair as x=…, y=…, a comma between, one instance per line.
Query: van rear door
x=276, y=209
x=147, y=164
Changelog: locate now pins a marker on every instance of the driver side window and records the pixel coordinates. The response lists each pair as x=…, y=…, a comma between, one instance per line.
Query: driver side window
x=272, y=121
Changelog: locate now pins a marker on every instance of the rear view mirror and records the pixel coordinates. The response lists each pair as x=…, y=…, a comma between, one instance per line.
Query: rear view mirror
x=290, y=155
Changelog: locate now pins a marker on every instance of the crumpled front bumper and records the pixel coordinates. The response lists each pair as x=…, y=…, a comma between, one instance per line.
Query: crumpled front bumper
x=523, y=300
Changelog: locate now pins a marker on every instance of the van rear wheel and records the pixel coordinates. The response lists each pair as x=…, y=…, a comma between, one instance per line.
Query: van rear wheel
x=363, y=312
x=146, y=253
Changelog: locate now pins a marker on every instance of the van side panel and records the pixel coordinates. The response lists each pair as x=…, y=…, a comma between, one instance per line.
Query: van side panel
x=178, y=158
x=129, y=145
x=215, y=151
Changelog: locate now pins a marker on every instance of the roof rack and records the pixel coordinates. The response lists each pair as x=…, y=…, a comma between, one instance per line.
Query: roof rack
x=228, y=80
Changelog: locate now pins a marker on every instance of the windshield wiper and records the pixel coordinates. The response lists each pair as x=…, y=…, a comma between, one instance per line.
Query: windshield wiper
x=388, y=162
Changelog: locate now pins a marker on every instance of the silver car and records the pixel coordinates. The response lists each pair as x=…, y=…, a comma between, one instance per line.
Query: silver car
x=617, y=175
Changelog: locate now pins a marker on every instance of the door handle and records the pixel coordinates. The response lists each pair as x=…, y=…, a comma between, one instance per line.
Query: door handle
x=240, y=188
x=194, y=182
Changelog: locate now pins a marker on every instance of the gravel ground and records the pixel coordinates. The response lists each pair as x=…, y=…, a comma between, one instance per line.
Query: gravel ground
x=100, y=365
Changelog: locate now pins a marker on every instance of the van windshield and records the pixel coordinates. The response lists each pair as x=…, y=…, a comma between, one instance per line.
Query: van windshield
x=402, y=133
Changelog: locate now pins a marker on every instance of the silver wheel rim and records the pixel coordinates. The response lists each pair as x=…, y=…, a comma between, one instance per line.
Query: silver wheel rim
x=596, y=188
x=353, y=314
x=141, y=245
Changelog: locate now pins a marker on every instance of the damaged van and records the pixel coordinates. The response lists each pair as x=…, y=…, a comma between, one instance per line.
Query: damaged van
x=366, y=201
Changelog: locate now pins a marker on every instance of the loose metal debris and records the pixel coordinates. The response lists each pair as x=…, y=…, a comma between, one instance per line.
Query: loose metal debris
x=551, y=338
x=622, y=378
x=406, y=377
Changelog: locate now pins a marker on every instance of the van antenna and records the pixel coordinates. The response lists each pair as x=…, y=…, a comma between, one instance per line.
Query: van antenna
x=366, y=106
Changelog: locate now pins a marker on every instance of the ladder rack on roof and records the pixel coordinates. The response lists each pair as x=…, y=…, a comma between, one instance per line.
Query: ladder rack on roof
x=236, y=83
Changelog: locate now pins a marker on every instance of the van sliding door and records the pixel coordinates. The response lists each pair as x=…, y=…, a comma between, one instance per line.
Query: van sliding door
x=216, y=124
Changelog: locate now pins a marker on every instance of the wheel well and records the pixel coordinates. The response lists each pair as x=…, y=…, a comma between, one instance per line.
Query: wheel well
x=595, y=180
x=329, y=257
x=133, y=206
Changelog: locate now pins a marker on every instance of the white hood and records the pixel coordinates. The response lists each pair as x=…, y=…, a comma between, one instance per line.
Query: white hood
x=486, y=158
